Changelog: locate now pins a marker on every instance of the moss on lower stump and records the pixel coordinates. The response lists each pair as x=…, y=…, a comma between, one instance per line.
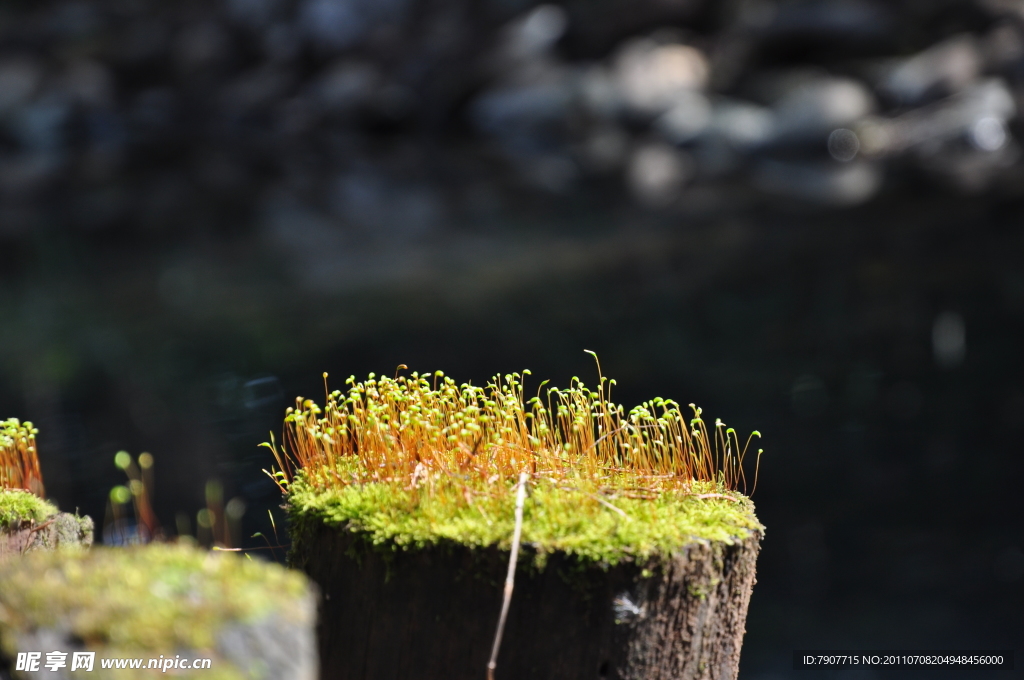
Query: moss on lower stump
x=28, y=523
x=253, y=619
x=18, y=507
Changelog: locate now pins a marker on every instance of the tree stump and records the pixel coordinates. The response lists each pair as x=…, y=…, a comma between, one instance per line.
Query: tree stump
x=409, y=505
x=430, y=613
x=162, y=604
x=61, y=530
x=27, y=522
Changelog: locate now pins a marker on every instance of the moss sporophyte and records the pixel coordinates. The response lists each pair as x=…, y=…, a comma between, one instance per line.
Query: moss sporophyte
x=21, y=482
x=420, y=460
x=19, y=462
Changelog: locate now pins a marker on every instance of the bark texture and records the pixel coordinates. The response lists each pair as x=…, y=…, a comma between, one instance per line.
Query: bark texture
x=430, y=614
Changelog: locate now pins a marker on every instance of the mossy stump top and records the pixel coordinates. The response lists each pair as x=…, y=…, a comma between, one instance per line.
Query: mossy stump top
x=417, y=460
x=603, y=530
x=253, y=619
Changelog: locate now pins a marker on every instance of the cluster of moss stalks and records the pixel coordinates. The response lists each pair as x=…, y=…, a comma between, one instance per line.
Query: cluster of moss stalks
x=420, y=460
x=19, y=462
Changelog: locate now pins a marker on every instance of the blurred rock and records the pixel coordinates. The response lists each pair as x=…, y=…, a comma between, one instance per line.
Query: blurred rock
x=1003, y=7
x=821, y=105
x=527, y=108
x=689, y=115
x=743, y=125
x=332, y=24
x=41, y=126
x=651, y=77
x=533, y=35
x=557, y=96
x=657, y=172
x=939, y=71
x=341, y=24
x=598, y=93
x=988, y=103
x=526, y=118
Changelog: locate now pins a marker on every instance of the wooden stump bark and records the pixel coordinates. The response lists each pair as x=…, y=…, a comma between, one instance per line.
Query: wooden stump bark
x=430, y=614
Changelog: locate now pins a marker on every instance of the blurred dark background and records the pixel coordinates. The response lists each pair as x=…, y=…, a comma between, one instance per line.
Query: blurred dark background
x=805, y=216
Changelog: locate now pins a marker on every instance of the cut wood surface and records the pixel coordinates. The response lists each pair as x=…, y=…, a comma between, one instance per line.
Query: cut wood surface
x=429, y=613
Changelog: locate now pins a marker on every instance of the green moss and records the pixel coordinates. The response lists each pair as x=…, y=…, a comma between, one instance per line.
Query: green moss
x=144, y=601
x=615, y=528
x=17, y=506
